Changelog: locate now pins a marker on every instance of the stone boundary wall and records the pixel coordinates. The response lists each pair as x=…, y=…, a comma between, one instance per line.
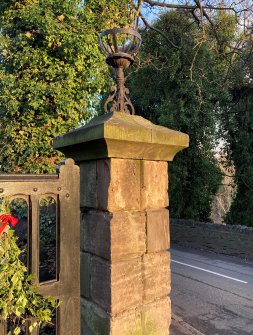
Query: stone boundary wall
x=233, y=240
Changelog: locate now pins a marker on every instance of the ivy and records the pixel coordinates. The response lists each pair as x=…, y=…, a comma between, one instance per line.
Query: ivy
x=51, y=74
x=19, y=297
x=19, y=293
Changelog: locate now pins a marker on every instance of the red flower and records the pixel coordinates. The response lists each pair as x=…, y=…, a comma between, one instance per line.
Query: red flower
x=6, y=219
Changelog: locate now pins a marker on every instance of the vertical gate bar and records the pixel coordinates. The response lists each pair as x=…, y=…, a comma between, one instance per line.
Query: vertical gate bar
x=69, y=274
x=58, y=218
x=27, y=327
x=34, y=332
x=34, y=236
x=34, y=241
x=2, y=327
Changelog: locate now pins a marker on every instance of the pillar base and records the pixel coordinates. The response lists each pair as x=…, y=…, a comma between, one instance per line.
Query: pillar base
x=151, y=319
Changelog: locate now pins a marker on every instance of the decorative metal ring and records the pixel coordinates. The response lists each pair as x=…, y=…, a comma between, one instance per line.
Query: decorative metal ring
x=126, y=31
x=108, y=49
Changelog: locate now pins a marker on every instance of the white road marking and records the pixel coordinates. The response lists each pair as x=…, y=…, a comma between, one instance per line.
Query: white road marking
x=215, y=273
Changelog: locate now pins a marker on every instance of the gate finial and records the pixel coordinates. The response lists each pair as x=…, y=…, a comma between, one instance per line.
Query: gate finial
x=119, y=46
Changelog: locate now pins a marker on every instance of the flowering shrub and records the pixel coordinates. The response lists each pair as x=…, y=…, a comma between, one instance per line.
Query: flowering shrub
x=19, y=297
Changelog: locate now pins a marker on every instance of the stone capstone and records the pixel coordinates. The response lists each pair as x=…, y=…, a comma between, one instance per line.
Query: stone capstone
x=121, y=135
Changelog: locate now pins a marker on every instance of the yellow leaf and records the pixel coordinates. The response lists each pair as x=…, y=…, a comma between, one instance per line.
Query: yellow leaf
x=61, y=18
x=17, y=331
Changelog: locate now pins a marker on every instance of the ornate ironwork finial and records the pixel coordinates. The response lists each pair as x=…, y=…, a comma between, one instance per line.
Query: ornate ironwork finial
x=119, y=46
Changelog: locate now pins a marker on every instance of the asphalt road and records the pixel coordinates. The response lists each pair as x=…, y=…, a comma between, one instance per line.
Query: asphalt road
x=213, y=293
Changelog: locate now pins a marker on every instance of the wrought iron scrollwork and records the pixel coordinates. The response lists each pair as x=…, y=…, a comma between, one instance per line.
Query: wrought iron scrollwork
x=119, y=46
x=113, y=102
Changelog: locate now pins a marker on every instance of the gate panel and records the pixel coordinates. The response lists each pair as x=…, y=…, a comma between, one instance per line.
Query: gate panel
x=65, y=187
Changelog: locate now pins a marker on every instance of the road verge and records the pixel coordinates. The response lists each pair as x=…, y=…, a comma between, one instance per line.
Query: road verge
x=180, y=327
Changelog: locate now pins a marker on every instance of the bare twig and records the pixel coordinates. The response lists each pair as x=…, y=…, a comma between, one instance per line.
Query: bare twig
x=137, y=11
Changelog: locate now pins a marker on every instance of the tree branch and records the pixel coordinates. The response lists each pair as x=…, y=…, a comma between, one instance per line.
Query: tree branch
x=204, y=13
x=137, y=11
x=152, y=3
x=148, y=25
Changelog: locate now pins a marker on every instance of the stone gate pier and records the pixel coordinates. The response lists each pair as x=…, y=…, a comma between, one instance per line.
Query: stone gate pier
x=125, y=259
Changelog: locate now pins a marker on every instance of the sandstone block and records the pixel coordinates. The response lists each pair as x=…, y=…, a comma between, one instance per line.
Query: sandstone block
x=154, y=185
x=118, y=183
x=156, y=276
x=117, y=236
x=88, y=184
x=85, y=274
x=158, y=230
x=130, y=323
x=95, y=233
x=156, y=317
x=116, y=287
x=151, y=319
x=94, y=321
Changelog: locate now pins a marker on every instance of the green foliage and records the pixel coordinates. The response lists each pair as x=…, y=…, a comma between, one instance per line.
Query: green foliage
x=51, y=72
x=18, y=208
x=19, y=297
x=179, y=87
x=239, y=126
x=237, y=129
x=47, y=228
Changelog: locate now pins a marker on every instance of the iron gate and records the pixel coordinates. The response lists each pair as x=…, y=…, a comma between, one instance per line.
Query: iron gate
x=63, y=281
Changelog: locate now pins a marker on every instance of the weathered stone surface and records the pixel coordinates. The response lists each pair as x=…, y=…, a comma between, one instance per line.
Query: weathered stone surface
x=101, y=283
x=95, y=233
x=156, y=267
x=129, y=323
x=156, y=317
x=85, y=275
x=117, y=236
x=124, y=184
x=154, y=186
x=123, y=136
x=103, y=182
x=118, y=184
x=151, y=319
x=88, y=184
x=94, y=321
x=158, y=230
x=128, y=235
x=116, y=287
